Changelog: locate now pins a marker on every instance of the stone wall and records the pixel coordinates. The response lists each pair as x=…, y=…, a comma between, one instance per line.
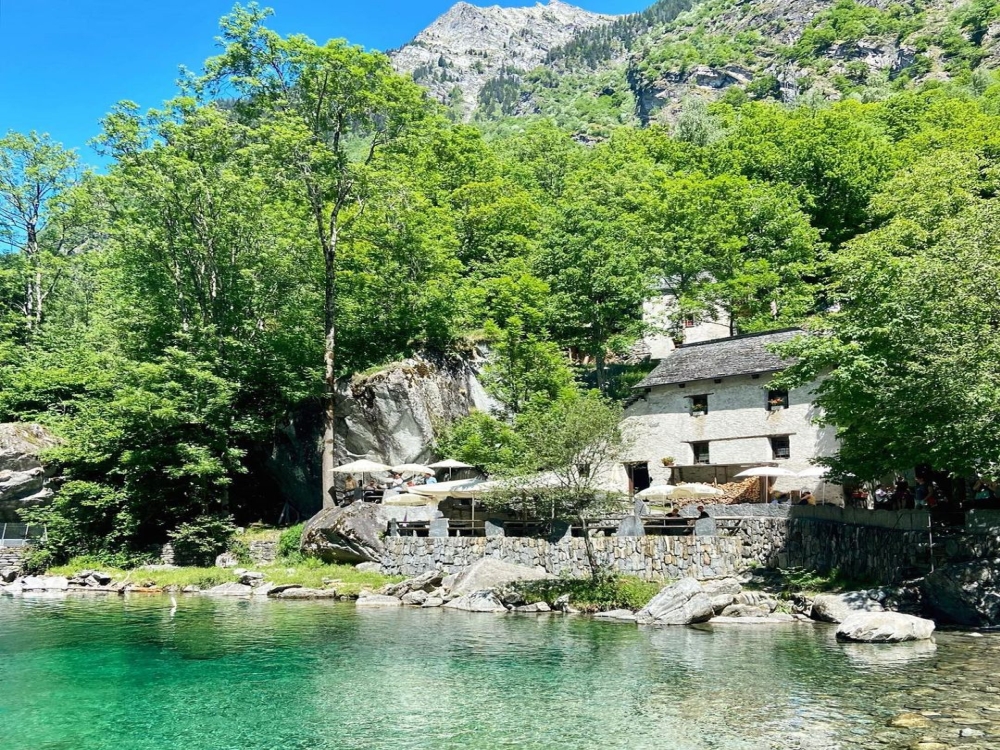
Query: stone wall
x=650, y=557
x=10, y=557
x=263, y=552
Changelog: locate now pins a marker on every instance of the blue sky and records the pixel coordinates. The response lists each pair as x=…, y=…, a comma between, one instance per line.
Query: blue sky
x=64, y=63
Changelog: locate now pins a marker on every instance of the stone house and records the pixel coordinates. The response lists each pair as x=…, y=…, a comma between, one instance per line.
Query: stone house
x=706, y=412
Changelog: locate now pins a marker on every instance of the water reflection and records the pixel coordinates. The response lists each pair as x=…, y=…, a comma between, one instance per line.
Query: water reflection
x=125, y=673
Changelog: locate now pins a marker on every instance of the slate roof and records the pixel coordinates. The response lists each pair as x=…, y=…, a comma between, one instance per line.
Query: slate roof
x=721, y=358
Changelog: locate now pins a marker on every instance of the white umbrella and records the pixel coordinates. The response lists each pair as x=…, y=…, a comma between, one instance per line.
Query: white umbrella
x=764, y=472
x=413, y=469
x=450, y=464
x=446, y=489
x=657, y=492
x=362, y=466
x=410, y=499
x=698, y=490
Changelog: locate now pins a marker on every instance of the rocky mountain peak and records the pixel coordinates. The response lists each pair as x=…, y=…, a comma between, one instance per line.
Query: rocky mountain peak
x=470, y=45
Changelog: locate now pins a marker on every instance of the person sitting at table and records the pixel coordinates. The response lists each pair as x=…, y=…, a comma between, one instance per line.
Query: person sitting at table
x=673, y=513
x=702, y=513
x=396, y=481
x=431, y=480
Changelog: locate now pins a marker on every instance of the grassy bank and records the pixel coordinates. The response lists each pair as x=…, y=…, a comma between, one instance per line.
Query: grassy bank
x=309, y=573
x=592, y=595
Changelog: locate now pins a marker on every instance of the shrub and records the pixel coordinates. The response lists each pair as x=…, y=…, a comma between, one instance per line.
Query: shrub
x=289, y=541
x=198, y=542
x=592, y=594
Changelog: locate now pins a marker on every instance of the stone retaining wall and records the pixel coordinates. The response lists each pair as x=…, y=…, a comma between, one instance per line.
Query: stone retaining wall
x=10, y=557
x=649, y=557
x=263, y=552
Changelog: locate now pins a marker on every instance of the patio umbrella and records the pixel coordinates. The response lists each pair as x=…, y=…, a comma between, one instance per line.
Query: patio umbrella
x=413, y=469
x=450, y=464
x=697, y=490
x=764, y=472
x=658, y=492
x=362, y=466
x=410, y=499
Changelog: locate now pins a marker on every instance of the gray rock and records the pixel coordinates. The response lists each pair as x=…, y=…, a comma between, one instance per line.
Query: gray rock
x=352, y=534
x=965, y=593
x=191, y=589
x=44, y=583
x=720, y=602
x=282, y=587
x=433, y=601
x=226, y=560
x=251, y=578
x=425, y=582
x=24, y=481
x=532, y=608
x=884, y=627
x=838, y=607
x=679, y=603
x=230, y=589
x=304, y=593
x=618, y=615
x=722, y=586
x=369, y=567
x=377, y=600
x=415, y=598
x=744, y=610
x=766, y=619
x=8, y=574
x=477, y=601
x=490, y=573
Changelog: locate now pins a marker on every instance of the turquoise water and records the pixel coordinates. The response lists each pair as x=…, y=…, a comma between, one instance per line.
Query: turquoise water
x=128, y=673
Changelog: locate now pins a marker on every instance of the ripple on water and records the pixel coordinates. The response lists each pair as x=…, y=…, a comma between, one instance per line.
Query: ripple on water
x=125, y=673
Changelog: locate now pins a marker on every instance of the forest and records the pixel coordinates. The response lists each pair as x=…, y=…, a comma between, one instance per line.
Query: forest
x=299, y=214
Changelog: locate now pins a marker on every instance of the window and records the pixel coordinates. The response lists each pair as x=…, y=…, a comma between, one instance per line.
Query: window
x=689, y=321
x=700, y=453
x=699, y=404
x=780, y=447
x=777, y=400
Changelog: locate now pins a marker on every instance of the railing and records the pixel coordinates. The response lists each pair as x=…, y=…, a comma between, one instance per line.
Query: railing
x=20, y=534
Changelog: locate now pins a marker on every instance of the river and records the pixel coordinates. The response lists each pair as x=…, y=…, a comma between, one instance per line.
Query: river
x=132, y=673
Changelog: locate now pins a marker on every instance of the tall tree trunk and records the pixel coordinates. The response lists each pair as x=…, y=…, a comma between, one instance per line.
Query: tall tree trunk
x=588, y=543
x=330, y=371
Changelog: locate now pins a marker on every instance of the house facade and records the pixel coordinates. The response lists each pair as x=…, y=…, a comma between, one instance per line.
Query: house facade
x=708, y=411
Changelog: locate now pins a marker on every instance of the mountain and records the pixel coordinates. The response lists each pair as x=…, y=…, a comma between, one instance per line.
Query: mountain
x=595, y=72
x=468, y=47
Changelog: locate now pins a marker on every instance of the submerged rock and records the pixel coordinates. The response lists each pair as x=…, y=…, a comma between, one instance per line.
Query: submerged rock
x=680, y=603
x=838, y=607
x=884, y=627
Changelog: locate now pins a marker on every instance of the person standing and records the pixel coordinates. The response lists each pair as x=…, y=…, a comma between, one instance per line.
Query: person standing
x=922, y=493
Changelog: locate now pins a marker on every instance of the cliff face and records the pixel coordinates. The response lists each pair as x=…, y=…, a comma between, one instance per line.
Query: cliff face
x=468, y=46
x=24, y=481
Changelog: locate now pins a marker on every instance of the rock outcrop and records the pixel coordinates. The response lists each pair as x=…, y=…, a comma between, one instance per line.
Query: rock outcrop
x=477, y=601
x=462, y=50
x=352, y=534
x=680, y=603
x=884, y=627
x=965, y=593
x=24, y=481
x=490, y=573
x=838, y=607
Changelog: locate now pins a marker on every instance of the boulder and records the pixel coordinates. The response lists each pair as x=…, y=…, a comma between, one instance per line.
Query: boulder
x=369, y=567
x=282, y=587
x=303, y=593
x=251, y=578
x=618, y=615
x=679, y=603
x=425, y=582
x=533, y=608
x=432, y=601
x=352, y=534
x=415, y=598
x=884, y=627
x=8, y=574
x=477, y=601
x=230, y=589
x=838, y=607
x=44, y=583
x=744, y=610
x=490, y=573
x=192, y=589
x=765, y=619
x=368, y=599
x=756, y=599
x=226, y=560
x=722, y=592
x=965, y=593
